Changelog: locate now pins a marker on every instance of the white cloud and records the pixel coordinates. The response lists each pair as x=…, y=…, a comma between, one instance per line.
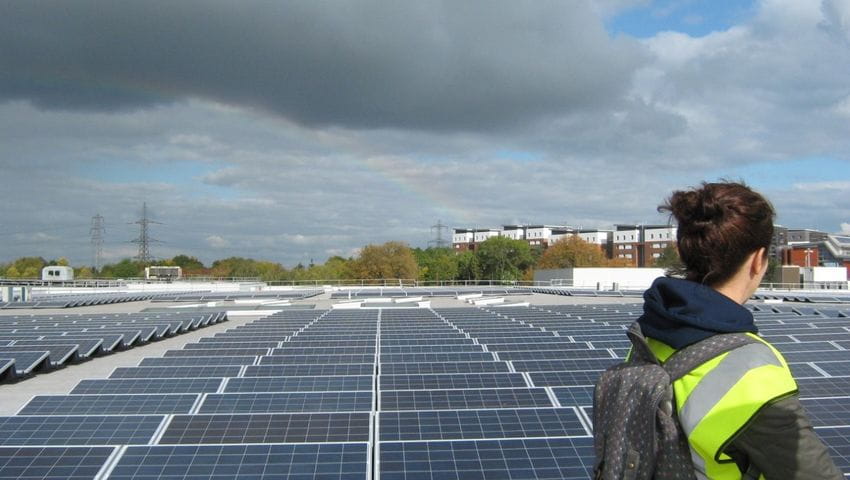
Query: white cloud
x=216, y=241
x=845, y=228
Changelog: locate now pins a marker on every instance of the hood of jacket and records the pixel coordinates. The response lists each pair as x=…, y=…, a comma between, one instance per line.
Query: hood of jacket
x=680, y=312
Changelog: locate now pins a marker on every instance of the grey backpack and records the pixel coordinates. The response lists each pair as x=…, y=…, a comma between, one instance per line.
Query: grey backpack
x=636, y=431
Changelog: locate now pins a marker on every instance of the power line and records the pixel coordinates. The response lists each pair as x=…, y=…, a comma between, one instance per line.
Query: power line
x=438, y=240
x=97, y=231
x=144, y=240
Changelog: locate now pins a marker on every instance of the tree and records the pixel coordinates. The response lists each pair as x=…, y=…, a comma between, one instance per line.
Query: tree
x=187, y=263
x=572, y=252
x=124, y=269
x=503, y=258
x=388, y=261
x=83, y=272
x=436, y=264
x=669, y=260
x=468, y=267
x=12, y=272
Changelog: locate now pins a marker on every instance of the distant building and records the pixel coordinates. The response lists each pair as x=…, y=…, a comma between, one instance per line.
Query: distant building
x=640, y=245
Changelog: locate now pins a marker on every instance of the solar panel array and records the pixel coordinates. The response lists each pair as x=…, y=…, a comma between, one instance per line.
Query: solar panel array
x=380, y=393
x=41, y=300
x=395, y=292
x=34, y=343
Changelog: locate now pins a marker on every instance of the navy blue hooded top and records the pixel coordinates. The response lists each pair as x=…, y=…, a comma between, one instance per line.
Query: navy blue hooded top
x=681, y=312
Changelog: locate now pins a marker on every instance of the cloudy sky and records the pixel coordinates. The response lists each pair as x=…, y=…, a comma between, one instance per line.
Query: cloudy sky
x=292, y=131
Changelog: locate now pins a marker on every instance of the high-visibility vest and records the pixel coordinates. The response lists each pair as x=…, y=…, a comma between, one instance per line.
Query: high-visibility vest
x=718, y=399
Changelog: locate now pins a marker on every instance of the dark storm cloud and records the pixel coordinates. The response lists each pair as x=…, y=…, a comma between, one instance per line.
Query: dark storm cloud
x=429, y=64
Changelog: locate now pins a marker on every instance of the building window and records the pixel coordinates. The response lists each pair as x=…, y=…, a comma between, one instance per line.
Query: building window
x=656, y=255
x=628, y=255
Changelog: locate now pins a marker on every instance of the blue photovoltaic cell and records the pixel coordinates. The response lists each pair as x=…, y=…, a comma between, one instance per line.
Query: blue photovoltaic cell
x=171, y=372
x=48, y=463
x=480, y=424
x=78, y=430
x=833, y=368
x=180, y=362
x=287, y=402
x=553, y=458
x=803, y=370
x=824, y=387
x=837, y=439
x=309, y=370
x=442, y=367
x=828, y=412
x=268, y=428
x=556, y=365
x=108, y=404
x=464, y=399
x=298, y=384
x=447, y=381
x=332, y=461
x=147, y=385
x=564, y=378
x=574, y=396
x=555, y=355
x=316, y=359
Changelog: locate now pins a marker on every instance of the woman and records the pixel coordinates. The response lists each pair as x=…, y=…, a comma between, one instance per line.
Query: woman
x=740, y=411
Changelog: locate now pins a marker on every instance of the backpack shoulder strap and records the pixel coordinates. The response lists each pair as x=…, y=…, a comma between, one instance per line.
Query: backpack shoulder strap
x=692, y=356
x=640, y=347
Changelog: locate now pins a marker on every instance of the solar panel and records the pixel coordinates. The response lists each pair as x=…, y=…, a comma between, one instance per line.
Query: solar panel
x=553, y=458
x=828, y=412
x=574, y=396
x=108, y=404
x=316, y=359
x=309, y=370
x=480, y=424
x=287, y=402
x=451, y=381
x=299, y=384
x=48, y=463
x=464, y=399
x=268, y=428
x=147, y=385
x=196, y=361
x=170, y=372
x=824, y=387
x=78, y=430
x=342, y=461
x=443, y=367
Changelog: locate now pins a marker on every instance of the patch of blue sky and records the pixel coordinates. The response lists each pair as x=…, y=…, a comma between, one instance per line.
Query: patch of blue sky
x=784, y=174
x=695, y=18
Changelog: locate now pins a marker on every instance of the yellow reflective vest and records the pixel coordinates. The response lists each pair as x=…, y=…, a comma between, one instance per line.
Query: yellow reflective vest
x=718, y=399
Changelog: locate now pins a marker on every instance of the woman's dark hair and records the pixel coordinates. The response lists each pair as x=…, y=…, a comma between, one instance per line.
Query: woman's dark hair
x=719, y=225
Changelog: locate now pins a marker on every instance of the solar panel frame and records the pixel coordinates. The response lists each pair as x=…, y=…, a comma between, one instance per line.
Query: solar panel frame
x=23, y=430
x=479, y=424
x=117, y=404
x=49, y=463
x=268, y=428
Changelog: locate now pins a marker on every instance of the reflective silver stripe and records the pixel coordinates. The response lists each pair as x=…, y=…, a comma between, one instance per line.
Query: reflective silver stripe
x=717, y=383
x=699, y=465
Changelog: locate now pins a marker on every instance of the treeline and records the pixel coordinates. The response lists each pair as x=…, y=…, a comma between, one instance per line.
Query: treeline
x=499, y=258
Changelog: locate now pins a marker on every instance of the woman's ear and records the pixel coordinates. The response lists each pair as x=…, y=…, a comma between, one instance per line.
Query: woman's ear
x=758, y=262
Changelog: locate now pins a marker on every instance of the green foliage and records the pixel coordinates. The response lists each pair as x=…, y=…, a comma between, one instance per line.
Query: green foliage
x=468, y=266
x=126, y=268
x=388, y=261
x=572, y=252
x=436, y=264
x=670, y=261
x=187, y=263
x=83, y=273
x=503, y=258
